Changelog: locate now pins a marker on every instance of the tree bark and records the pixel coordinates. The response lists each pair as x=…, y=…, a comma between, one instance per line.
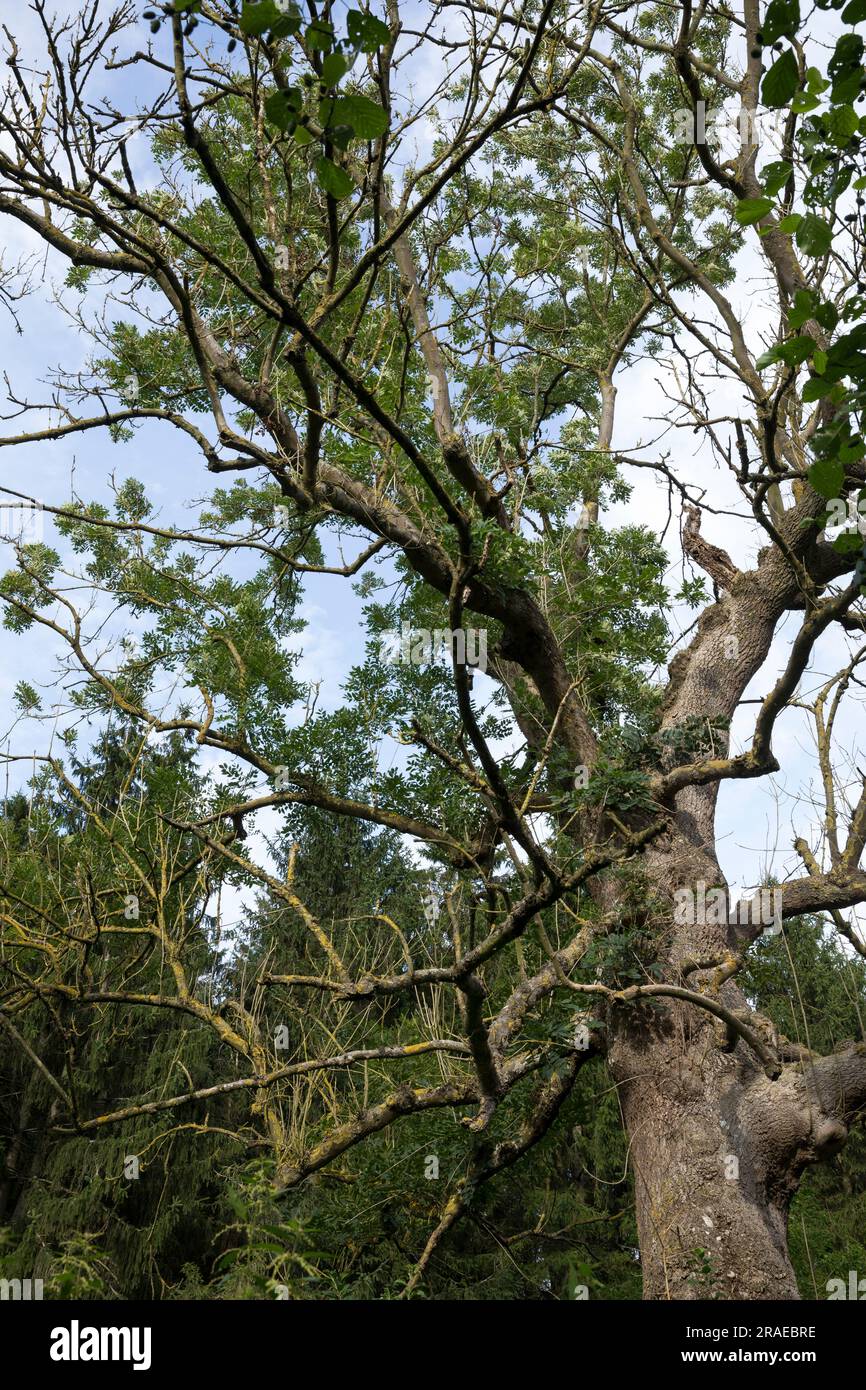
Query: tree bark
x=718, y=1149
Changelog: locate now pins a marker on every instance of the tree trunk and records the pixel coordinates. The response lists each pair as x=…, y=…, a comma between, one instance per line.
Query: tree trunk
x=711, y=1213
x=717, y=1145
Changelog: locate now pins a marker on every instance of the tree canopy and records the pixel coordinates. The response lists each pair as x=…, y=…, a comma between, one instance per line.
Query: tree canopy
x=396, y=271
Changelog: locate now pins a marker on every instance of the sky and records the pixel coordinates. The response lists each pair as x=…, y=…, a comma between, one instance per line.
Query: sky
x=757, y=822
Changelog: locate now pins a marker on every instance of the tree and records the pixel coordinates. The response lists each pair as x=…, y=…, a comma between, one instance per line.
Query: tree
x=418, y=354
x=117, y=1217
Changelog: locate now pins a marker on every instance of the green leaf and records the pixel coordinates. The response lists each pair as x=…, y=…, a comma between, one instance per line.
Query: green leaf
x=775, y=176
x=319, y=36
x=366, y=31
x=814, y=235
x=258, y=18
x=815, y=388
x=819, y=361
x=793, y=352
x=855, y=12
x=26, y=698
x=287, y=24
x=828, y=316
x=815, y=81
x=281, y=108
x=767, y=358
x=841, y=123
x=841, y=182
x=798, y=350
x=341, y=136
x=367, y=119
x=791, y=222
x=750, y=210
x=803, y=310
x=334, y=180
x=852, y=453
x=845, y=68
x=780, y=83
x=335, y=66
x=848, y=543
x=826, y=477
x=781, y=21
